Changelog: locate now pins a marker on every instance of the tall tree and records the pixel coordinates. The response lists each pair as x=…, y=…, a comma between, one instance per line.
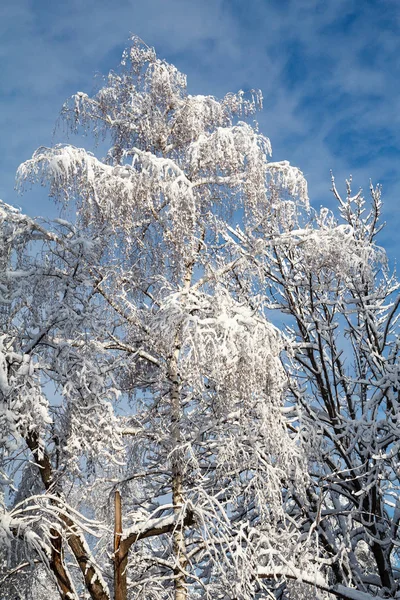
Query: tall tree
x=151, y=304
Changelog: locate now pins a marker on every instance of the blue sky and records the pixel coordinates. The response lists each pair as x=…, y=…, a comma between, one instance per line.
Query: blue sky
x=329, y=71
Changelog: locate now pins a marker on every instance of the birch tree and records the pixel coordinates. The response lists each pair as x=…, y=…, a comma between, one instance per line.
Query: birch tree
x=160, y=315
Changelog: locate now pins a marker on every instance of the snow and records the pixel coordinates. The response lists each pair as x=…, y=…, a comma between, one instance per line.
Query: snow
x=150, y=524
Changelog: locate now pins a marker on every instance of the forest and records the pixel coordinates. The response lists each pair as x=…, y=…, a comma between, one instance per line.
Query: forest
x=199, y=371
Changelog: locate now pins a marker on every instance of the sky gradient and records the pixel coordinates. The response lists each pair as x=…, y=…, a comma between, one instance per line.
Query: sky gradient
x=329, y=71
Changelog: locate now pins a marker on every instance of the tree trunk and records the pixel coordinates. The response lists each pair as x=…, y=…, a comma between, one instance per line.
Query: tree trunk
x=120, y=554
x=178, y=535
x=57, y=565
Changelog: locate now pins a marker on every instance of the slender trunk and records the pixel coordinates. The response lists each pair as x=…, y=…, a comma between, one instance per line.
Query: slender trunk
x=178, y=534
x=120, y=554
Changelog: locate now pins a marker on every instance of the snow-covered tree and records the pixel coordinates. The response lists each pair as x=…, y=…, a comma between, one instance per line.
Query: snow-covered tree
x=46, y=312
x=140, y=363
x=332, y=282
x=140, y=297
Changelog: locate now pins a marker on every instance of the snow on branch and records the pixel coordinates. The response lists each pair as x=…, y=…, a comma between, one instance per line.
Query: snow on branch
x=223, y=340
x=23, y=407
x=147, y=189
